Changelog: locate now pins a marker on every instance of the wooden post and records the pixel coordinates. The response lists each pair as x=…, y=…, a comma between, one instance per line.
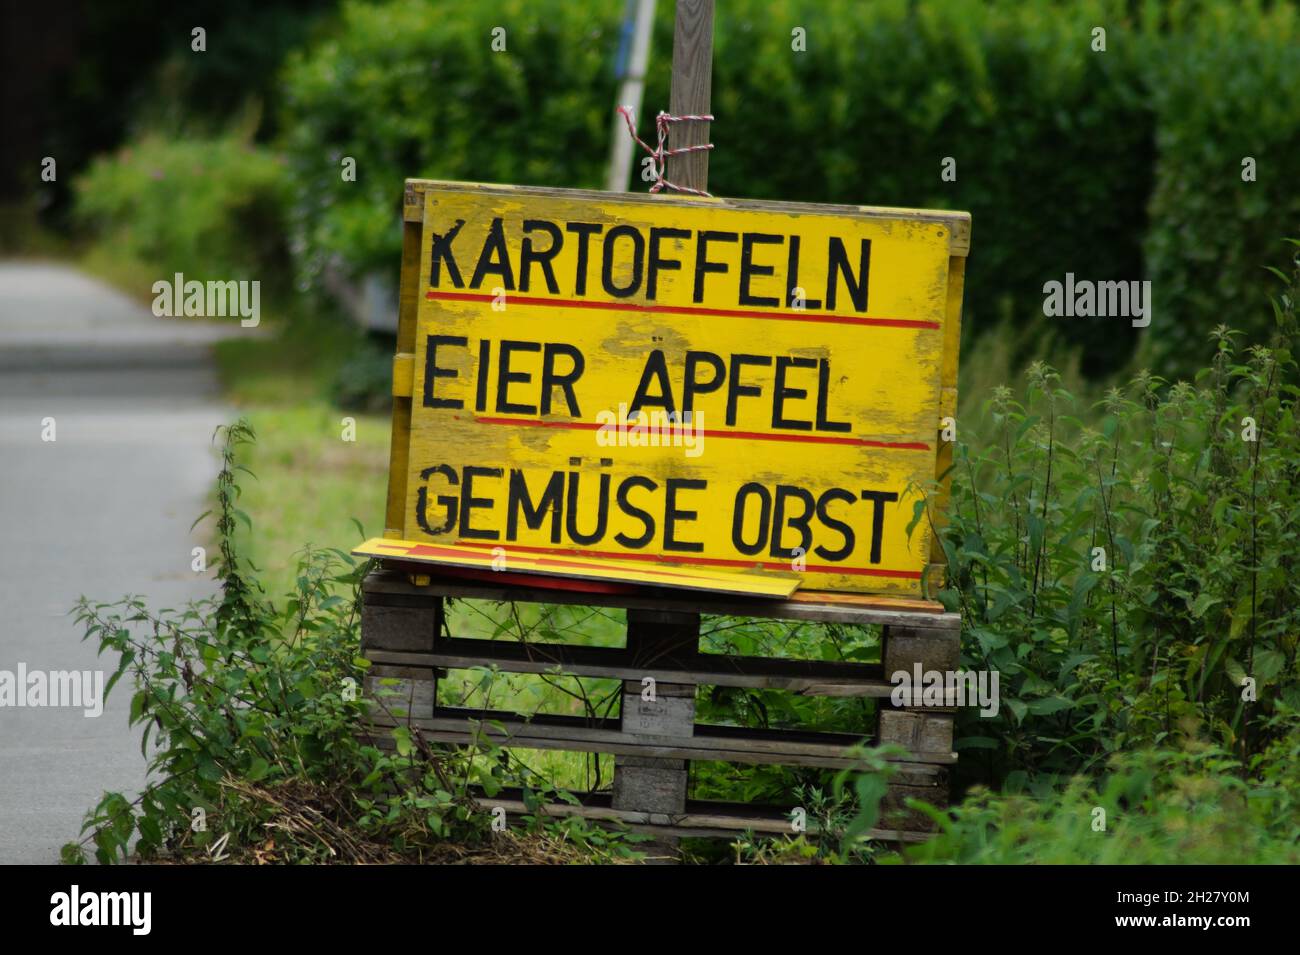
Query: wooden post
x=658, y=786
x=692, y=92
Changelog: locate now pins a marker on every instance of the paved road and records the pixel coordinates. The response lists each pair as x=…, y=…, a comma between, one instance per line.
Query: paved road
x=103, y=510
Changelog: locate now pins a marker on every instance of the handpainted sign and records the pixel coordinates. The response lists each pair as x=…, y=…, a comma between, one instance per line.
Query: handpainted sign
x=712, y=384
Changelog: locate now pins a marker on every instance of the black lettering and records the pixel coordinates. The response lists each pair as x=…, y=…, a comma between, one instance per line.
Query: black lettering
x=584, y=231
x=748, y=269
x=484, y=365
x=838, y=261
x=607, y=261
x=823, y=397
x=494, y=259
x=505, y=377
x=432, y=371
x=735, y=389
x=602, y=511
x=738, y=518
x=631, y=510
x=702, y=263
x=528, y=256
x=692, y=385
x=673, y=514
x=440, y=252
x=565, y=382
x=835, y=524
x=878, y=500
x=792, y=277
x=780, y=392
x=656, y=366
x=468, y=502
x=518, y=497
x=656, y=263
x=800, y=523
x=450, y=503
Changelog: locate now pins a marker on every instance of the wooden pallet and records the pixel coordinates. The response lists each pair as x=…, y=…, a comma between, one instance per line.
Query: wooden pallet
x=652, y=741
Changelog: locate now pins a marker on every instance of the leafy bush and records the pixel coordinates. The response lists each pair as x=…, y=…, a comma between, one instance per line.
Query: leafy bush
x=1197, y=804
x=1128, y=570
x=1052, y=142
x=364, y=380
x=1227, y=88
x=1058, y=148
x=210, y=208
x=1126, y=579
x=1129, y=672
x=412, y=88
x=839, y=817
x=1157, y=807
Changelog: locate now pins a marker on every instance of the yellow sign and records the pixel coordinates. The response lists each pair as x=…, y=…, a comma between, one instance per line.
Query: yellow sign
x=713, y=384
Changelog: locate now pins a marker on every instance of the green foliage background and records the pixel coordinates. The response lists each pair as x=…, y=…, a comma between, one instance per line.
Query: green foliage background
x=1112, y=165
x=214, y=208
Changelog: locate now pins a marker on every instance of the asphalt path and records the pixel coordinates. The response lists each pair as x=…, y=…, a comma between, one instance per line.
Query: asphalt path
x=102, y=510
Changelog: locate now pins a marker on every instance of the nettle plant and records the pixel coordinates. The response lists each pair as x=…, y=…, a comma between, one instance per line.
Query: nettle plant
x=1132, y=576
x=1150, y=806
x=252, y=721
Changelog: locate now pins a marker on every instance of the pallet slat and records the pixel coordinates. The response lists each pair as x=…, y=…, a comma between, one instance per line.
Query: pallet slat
x=709, y=742
x=805, y=677
x=701, y=819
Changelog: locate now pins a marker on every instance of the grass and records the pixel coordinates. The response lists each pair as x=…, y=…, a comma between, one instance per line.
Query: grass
x=311, y=485
x=319, y=470
x=125, y=273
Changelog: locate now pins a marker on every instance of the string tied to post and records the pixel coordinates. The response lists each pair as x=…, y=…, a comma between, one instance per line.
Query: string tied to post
x=659, y=153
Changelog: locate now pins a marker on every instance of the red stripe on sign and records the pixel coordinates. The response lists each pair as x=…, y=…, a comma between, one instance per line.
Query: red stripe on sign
x=786, y=316
x=720, y=562
x=749, y=435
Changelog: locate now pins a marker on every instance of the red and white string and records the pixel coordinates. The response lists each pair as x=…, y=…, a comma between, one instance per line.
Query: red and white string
x=659, y=153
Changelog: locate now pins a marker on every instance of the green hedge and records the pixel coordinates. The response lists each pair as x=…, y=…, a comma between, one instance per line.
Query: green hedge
x=1052, y=141
x=1114, y=165
x=1229, y=88
x=412, y=88
x=212, y=208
